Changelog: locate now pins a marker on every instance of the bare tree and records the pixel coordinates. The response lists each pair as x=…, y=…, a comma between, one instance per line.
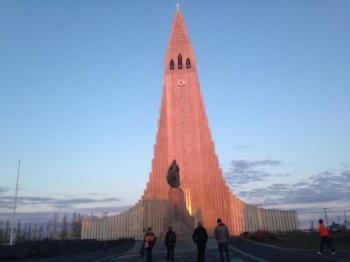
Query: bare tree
x=19, y=235
x=40, y=232
x=49, y=233
x=76, y=226
x=2, y=231
x=64, y=228
x=24, y=232
x=29, y=231
x=35, y=233
x=7, y=231
x=55, y=226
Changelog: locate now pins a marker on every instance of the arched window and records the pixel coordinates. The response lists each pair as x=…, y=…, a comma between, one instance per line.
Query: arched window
x=179, y=62
x=188, y=63
x=172, y=65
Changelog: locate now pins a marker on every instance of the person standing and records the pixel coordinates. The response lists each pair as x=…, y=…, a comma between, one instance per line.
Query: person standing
x=150, y=241
x=170, y=241
x=200, y=237
x=325, y=238
x=222, y=236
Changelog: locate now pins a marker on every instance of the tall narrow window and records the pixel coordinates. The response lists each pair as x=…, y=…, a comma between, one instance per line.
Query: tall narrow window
x=188, y=63
x=172, y=65
x=179, y=62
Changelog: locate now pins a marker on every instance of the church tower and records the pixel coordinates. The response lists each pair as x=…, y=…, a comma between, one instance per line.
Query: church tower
x=184, y=135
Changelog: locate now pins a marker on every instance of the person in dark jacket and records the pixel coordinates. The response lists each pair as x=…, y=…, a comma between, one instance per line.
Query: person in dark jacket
x=222, y=235
x=150, y=241
x=170, y=241
x=200, y=237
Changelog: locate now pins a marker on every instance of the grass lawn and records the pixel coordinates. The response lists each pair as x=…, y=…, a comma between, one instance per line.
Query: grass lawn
x=301, y=240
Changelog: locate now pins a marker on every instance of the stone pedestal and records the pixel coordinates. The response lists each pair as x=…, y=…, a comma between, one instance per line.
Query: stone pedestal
x=177, y=205
x=178, y=217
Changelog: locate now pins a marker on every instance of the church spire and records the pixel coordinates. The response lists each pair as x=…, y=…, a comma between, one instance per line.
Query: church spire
x=179, y=43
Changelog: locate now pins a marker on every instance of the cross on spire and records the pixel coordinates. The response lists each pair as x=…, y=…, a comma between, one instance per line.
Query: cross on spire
x=177, y=6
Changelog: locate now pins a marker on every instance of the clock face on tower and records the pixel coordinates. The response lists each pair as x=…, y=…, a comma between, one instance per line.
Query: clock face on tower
x=181, y=82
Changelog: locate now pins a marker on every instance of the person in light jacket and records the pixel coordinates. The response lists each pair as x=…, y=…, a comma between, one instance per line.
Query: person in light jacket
x=222, y=236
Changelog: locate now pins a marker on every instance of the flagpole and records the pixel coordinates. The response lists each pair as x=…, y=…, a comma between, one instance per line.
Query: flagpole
x=12, y=237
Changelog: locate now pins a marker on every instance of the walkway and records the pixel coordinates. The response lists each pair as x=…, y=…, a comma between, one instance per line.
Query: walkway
x=184, y=251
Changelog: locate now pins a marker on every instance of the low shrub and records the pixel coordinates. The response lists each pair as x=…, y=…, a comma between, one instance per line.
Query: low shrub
x=47, y=247
x=262, y=235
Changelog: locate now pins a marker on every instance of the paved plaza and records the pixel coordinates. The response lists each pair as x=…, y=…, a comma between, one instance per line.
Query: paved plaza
x=185, y=251
x=240, y=251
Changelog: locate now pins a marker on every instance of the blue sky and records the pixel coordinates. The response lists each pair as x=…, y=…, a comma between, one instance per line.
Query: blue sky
x=81, y=83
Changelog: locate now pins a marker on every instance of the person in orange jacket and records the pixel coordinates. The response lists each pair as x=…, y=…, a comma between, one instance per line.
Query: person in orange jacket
x=325, y=238
x=149, y=241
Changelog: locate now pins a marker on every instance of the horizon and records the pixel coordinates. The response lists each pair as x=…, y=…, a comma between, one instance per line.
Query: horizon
x=80, y=99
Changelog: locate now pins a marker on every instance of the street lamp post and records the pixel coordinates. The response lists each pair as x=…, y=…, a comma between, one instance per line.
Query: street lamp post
x=325, y=215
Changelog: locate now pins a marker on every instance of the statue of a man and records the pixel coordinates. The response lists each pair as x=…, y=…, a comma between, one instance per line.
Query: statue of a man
x=173, y=176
